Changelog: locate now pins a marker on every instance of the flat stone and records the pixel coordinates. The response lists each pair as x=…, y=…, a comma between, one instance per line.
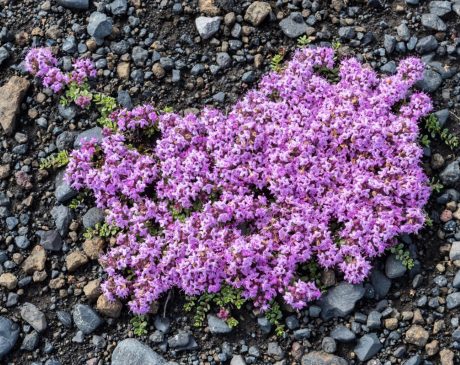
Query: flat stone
x=340, y=300
x=451, y=174
x=343, y=334
x=367, y=347
x=119, y=7
x=30, y=341
x=11, y=95
x=86, y=319
x=134, y=352
x=257, y=12
x=293, y=26
x=93, y=134
x=322, y=358
x=440, y=8
x=34, y=316
x=456, y=281
x=74, y=4
x=9, y=333
x=380, y=283
x=454, y=253
x=217, y=325
x=431, y=81
x=207, y=26
x=35, y=261
x=432, y=21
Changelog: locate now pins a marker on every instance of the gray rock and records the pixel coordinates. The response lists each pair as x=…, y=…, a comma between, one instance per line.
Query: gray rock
x=134, y=352
x=50, y=240
x=33, y=316
x=440, y=8
x=88, y=135
x=394, y=268
x=389, y=43
x=373, y=320
x=181, y=339
x=217, y=325
x=119, y=7
x=340, y=300
x=22, y=242
x=302, y=333
x=139, y=55
x=264, y=325
x=412, y=2
x=4, y=55
x=249, y=77
x=86, y=318
x=451, y=174
x=274, y=350
x=69, y=45
x=176, y=76
x=367, y=346
x=426, y=44
x=52, y=362
x=63, y=192
x=414, y=360
x=456, y=7
x=92, y=217
x=223, y=59
x=207, y=26
x=9, y=333
x=328, y=345
x=65, y=318
x=456, y=281
x=74, y=4
x=65, y=140
x=162, y=324
x=403, y=32
x=62, y=216
x=30, y=341
x=67, y=112
x=453, y=300
x=454, y=253
x=293, y=26
x=237, y=360
x=431, y=81
x=292, y=322
x=197, y=69
x=124, y=99
x=322, y=358
x=389, y=68
x=380, y=283
x=347, y=32
x=432, y=21
x=343, y=334
x=99, y=25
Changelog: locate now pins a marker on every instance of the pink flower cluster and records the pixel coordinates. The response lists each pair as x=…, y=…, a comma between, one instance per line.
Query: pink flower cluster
x=300, y=170
x=41, y=63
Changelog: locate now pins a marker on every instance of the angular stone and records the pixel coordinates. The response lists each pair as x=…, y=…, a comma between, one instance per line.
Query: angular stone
x=207, y=26
x=35, y=261
x=9, y=333
x=340, y=300
x=431, y=81
x=134, y=352
x=75, y=259
x=217, y=325
x=94, y=247
x=454, y=253
x=34, y=316
x=74, y=4
x=50, y=240
x=8, y=281
x=451, y=174
x=86, y=318
x=322, y=358
x=343, y=334
x=11, y=95
x=93, y=289
x=432, y=21
x=62, y=216
x=208, y=7
x=394, y=268
x=453, y=300
x=88, y=135
x=367, y=346
x=293, y=26
x=92, y=217
x=63, y=192
x=257, y=12
x=417, y=335
x=440, y=8
x=99, y=25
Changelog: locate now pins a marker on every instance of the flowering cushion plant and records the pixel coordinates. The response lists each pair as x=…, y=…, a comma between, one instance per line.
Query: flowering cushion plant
x=300, y=170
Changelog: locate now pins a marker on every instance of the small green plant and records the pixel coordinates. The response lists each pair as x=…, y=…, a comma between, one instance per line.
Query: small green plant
x=434, y=129
x=74, y=91
x=425, y=140
x=274, y=316
x=78, y=200
x=276, y=61
x=168, y=109
x=336, y=45
x=428, y=221
x=101, y=230
x=139, y=324
x=303, y=41
x=106, y=105
x=227, y=297
x=403, y=255
x=436, y=185
x=55, y=161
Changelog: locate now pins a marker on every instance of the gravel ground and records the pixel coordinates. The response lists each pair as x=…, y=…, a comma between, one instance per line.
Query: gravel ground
x=187, y=55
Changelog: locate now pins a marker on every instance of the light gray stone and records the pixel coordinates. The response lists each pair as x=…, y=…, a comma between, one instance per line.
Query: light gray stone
x=134, y=352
